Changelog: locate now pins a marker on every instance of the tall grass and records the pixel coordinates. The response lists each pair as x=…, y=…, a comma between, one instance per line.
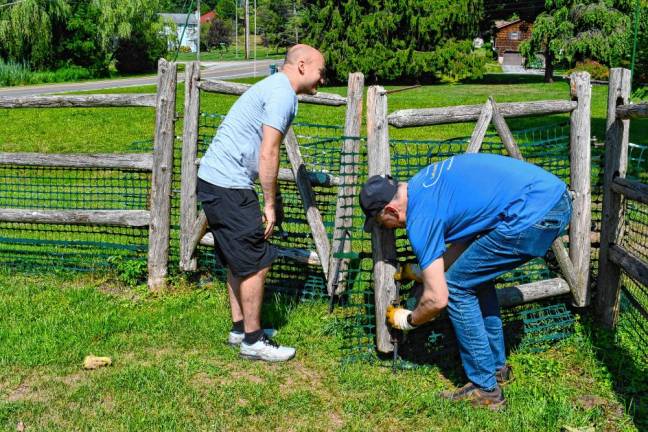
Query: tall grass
x=13, y=74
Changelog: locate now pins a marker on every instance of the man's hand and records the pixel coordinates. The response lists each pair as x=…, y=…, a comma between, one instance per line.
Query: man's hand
x=397, y=318
x=270, y=217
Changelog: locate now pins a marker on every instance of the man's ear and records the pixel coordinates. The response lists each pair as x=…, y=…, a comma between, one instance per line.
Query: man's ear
x=391, y=210
x=301, y=66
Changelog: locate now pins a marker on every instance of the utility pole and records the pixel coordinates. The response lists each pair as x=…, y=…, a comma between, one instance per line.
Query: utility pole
x=198, y=28
x=236, y=25
x=295, y=19
x=247, y=29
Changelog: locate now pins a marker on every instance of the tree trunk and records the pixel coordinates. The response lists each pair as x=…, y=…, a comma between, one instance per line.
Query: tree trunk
x=549, y=68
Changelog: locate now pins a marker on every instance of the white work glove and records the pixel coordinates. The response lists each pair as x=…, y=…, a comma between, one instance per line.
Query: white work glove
x=397, y=317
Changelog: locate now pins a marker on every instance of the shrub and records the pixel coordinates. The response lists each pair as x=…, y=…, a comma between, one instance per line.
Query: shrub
x=456, y=61
x=64, y=74
x=12, y=73
x=596, y=70
x=219, y=33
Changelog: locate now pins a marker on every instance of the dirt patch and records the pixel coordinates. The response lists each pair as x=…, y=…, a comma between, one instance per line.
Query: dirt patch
x=201, y=379
x=612, y=410
x=72, y=380
x=25, y=392
x=336, y=420
x=242, y=374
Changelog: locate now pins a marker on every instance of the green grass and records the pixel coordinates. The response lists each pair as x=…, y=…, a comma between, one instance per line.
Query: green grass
x=233, y=54
x=173, y=371
x=113, y=129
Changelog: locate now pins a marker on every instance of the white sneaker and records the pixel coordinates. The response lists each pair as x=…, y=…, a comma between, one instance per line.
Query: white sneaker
x=236, y=338
x=266, y=349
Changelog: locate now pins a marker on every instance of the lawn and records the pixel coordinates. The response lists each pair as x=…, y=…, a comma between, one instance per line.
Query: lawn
x=114, y=129
x=173, y=371
x=234, y=53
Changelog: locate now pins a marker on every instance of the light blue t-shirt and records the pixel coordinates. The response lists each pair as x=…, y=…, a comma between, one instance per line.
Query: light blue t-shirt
x=469, y=194
x=232, y=160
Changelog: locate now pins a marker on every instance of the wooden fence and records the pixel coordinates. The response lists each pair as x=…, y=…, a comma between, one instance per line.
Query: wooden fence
x=617, y=189
x=574, y=264
x=159, y=163
x=193, y=223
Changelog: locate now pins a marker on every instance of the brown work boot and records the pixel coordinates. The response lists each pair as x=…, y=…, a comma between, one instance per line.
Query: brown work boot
x=493, y=400
x=505, y=375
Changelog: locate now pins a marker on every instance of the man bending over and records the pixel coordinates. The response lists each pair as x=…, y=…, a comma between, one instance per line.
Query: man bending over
x=497, y=213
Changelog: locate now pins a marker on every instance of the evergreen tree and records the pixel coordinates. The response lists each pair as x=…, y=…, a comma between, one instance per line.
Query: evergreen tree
x=279, y=22
x=575, y=30
x=396, y=39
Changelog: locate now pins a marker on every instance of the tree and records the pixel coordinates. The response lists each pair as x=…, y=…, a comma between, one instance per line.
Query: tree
x=395, y=39
x=219, y=33
x=279, y=21
x=26, y=31
x=575, y=30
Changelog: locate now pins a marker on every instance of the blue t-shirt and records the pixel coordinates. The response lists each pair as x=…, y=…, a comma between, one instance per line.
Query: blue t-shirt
x=469, y=194
x=232, y=160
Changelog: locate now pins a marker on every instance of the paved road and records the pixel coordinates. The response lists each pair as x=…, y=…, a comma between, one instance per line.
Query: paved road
x=219, y=70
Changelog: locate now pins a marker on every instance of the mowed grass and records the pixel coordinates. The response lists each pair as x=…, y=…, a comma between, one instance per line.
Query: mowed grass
x=71, y=130
x=173, y=371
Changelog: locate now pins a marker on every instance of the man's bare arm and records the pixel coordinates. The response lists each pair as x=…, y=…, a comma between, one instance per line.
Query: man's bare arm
x=435, y=293
x=268, y=171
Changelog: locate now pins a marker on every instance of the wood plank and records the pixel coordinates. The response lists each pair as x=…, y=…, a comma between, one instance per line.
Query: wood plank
x=79, y=101
x=349, y=172
x=531, y=292
x=122, y=218
x=504, y=131
x=300, y=255
x=313, y=215
x=128, y=161
x=189, y=178
x=632, y=111
x=226, y=87
x=629, y=263
x=580, y=183
x=631, y=189
x=481, y=127
x=616, y=163
x=382, y=240
x=159, y=233
x=468, y=113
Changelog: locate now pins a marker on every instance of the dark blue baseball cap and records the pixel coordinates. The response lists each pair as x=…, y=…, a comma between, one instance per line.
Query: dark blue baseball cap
x=376, y=193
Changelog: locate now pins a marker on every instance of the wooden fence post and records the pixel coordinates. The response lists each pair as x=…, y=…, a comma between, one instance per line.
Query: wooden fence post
x=349, y=169
x=383, y=240
x=159, y=229
x=189, y=179
x=313, y=215
x=616, y=162
x=580, y=175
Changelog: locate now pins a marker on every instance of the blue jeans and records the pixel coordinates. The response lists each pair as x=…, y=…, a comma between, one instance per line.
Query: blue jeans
x=473, y=307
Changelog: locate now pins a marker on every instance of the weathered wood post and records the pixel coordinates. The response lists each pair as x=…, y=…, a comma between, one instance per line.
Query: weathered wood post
x=616, y=162
x=580, y=179
x=159, y=230
x=188, y=202
x=383, y=240
x=349, y=169
x=305, y=188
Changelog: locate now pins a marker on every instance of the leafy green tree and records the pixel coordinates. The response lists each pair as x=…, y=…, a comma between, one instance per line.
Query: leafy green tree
x=395, y=39
x=575, y=30
x=279, y=21
x=218, y=33
x=26, y=31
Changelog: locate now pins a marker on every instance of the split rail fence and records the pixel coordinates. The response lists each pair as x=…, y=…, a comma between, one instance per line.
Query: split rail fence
x=616, y=259
x=574, y=264
x=159, y=164
x=193, y=222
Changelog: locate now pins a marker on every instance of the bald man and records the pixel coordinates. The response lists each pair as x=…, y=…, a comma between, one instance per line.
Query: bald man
x=246, y=147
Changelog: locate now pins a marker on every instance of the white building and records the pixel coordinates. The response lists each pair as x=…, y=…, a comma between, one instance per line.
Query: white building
x=186, y=27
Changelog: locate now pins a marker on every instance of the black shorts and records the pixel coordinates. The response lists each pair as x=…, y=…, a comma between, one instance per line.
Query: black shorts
x=236, y=222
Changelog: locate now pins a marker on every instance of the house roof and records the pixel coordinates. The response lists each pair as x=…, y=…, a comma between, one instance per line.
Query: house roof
x=208, y=17
x=180, y=19
x=500, y=24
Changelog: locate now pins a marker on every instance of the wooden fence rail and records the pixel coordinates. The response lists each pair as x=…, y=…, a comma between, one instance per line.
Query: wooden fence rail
x=132, y=161
x=83, y=101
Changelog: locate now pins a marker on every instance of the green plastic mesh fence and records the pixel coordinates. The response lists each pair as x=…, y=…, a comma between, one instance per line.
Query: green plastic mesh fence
x=37, y=246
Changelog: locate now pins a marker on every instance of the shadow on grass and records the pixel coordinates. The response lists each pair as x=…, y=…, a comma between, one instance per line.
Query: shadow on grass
x=502, y=78
x=629, y=381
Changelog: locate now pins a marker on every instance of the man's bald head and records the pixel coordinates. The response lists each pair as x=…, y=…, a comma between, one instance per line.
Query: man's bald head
x=304, y=67
x=302, y=52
